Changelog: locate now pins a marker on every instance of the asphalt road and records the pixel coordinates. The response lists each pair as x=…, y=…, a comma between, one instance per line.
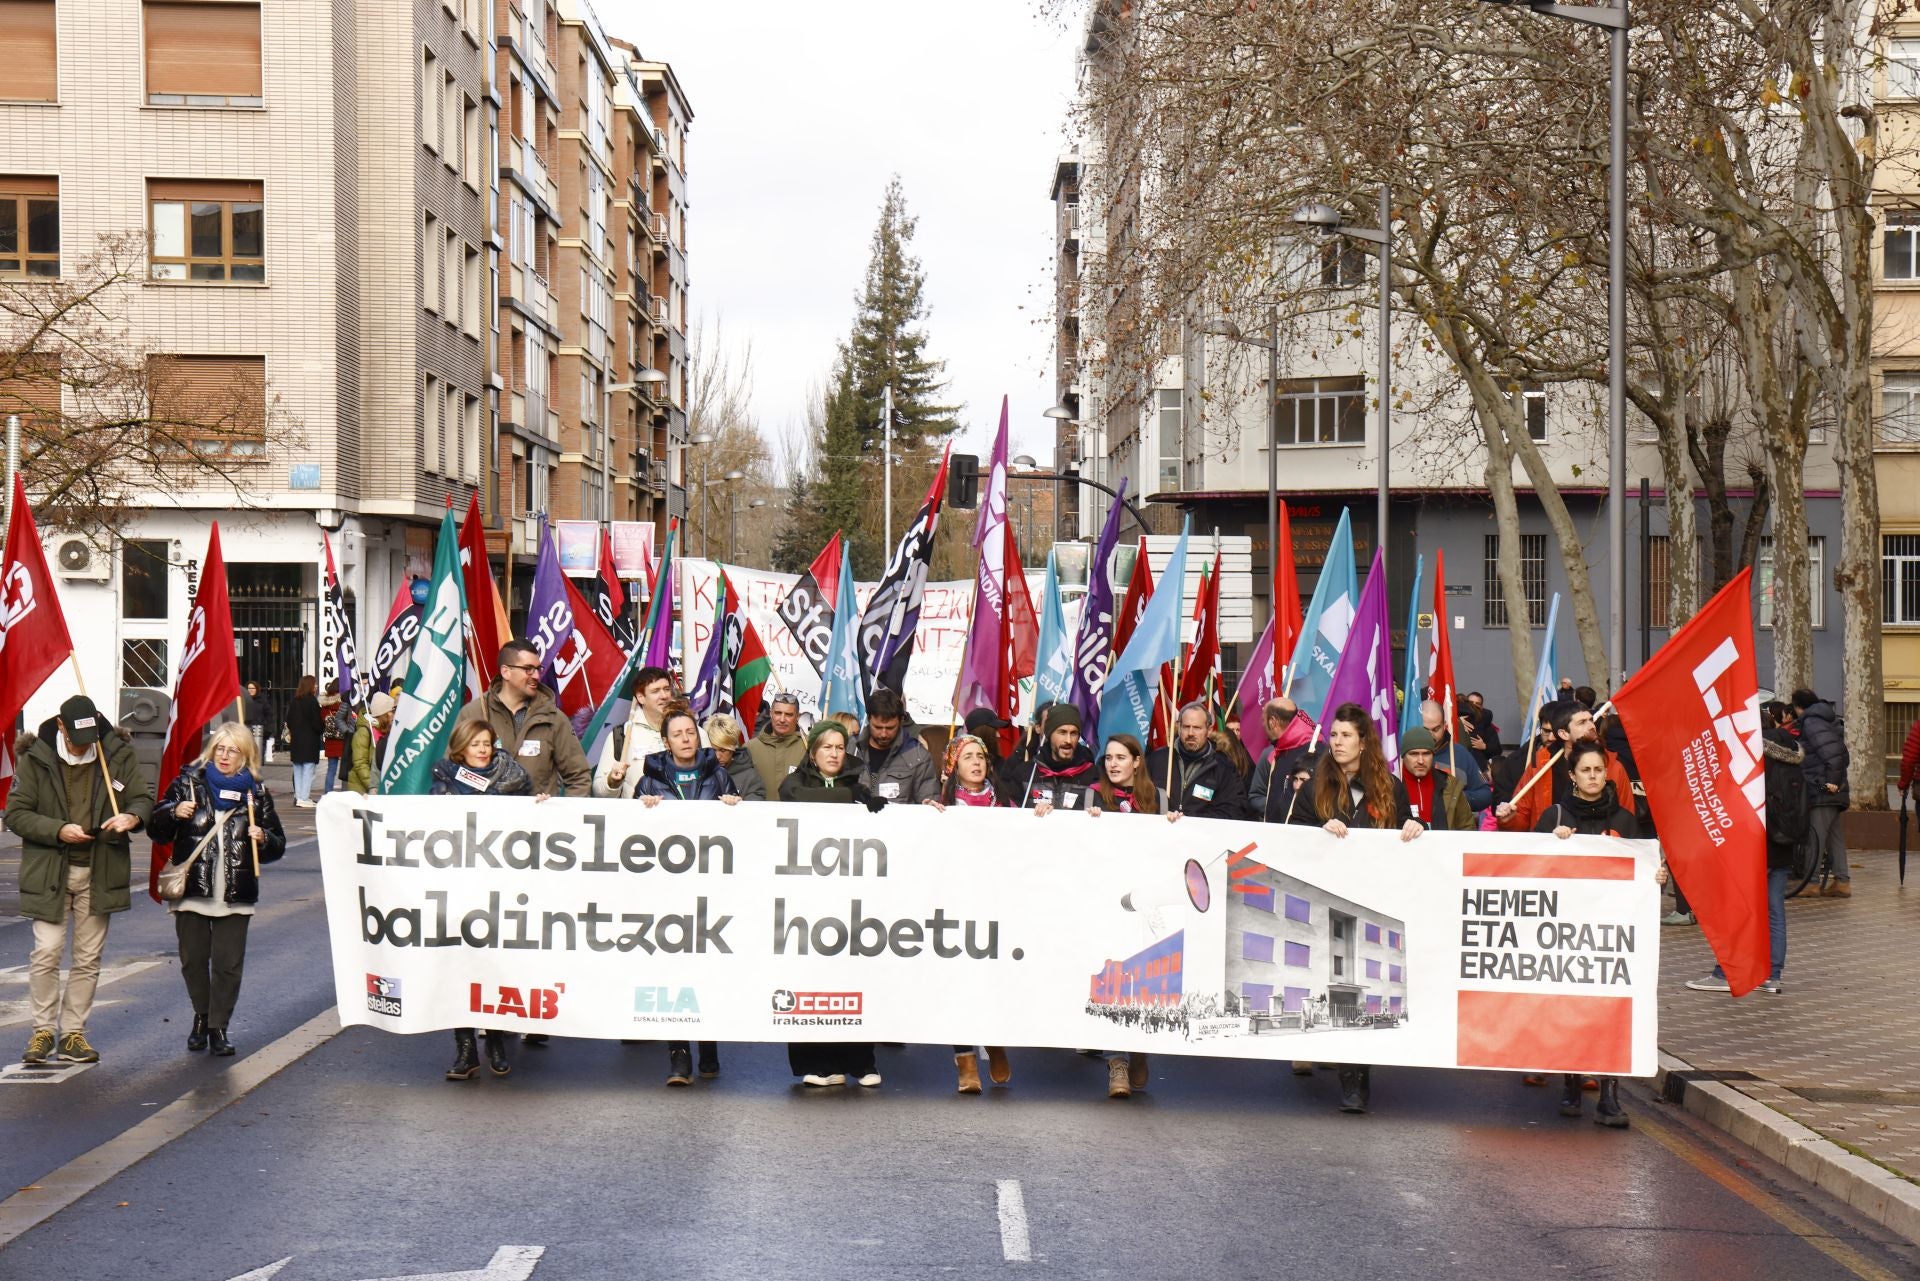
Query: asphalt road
x=358, y=1161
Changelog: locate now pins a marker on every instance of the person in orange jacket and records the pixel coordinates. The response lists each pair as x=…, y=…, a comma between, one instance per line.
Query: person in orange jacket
x=1572, y=723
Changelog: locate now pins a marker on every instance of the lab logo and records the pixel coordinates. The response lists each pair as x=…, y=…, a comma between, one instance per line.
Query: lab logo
x=524, y=1003
x=383, y=995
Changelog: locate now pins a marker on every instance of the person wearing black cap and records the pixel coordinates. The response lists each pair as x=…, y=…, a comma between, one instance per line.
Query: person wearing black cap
x=1062, y=769
x=985, y=724
x=77, y=797
x=1204, y=784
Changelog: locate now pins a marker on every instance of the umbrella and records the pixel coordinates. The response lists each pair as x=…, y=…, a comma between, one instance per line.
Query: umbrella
x=1903, y=836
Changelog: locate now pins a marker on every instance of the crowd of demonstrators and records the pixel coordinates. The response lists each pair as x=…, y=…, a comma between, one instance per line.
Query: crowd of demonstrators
x=1200, y=780
x=894, y=765
x=1055, y=770
x=220, y=819
x=1567, y=723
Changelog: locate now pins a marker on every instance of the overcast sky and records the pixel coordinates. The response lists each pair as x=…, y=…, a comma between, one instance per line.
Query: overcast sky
x=801, y=113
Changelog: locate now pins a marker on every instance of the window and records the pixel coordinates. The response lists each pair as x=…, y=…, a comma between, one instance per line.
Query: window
x=1533, y=575
x=1900, y=245
x=429, y=101
x=1903, y=68
x=1373, y=969
x=1659, y=581
x=1816, y=580
x=143, y=663
x=1343, y=264
x=470, y=440
x=1535, y=400
x=1299, y=909
x=430, y=265
x=1257, y=897
x=1395, y=974
x=29, y=226
x=1256, y=947
x=143, y=578
x=451, y=444
x=1900, y=580
x=1371, y=932
x=33, y=391
x=1393, y=941
x=1298, y=954
x=450, y=273
x=1258, y=997
x=214, y=405
x=202, y=53
x=1168, y=399
x=1900, y=408
x=206, y=230
x=471, y=292
x=470, y=148
x=430, y=405
x=451, y=136
x=30, y=71
x=1322, y=411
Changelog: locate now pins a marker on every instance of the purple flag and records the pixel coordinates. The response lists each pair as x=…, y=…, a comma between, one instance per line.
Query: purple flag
x=982, y=663
x=660, y=639
x=549, y=612
x=1256, y=687
x=1365, y=672
x=1093, y=646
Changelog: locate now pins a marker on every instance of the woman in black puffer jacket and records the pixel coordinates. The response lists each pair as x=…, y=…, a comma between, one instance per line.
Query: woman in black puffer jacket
x=218, y=807
x=473, y=768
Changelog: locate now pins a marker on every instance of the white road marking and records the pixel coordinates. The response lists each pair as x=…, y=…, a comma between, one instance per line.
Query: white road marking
x=20, y=1010
x=509, y=1263
x=1015, y=1244
x=267, y=1273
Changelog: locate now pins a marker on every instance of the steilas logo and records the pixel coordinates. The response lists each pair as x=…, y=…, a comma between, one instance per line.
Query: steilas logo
x=383, y=995
x=532, y=1003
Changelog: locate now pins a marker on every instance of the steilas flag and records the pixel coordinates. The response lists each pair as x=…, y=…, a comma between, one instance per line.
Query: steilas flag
x=1693, y=717
x=207, y=684
x=33, y=632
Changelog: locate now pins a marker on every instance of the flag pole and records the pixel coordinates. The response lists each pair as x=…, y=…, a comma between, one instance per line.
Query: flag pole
x=252, y=823
x=73, y=657
x=1173, y=714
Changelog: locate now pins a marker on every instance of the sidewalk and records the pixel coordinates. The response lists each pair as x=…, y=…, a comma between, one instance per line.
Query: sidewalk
x=1838, y=1052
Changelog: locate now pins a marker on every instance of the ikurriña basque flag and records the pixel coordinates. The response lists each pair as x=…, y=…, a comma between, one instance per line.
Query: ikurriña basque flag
x=436, y=676
x=1127, y=705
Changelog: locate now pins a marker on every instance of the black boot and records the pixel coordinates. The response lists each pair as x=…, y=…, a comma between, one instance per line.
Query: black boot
x=1353, y=1089
x=709, y=1060
x=197, y=1037
x=1570, y=1100
x=497, y=1054
x=218, y=1044
x=535, y=1039
x=680, y=1064
x=466, y=1056
x=1609, y=1112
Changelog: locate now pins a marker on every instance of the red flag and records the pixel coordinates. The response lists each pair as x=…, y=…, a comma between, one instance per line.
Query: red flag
x=807, y=608
x=486, y=629
x=610, y=598
x=1287, y=620
x=587, y=663
x=1693, y=717
x=1202, y=675
x=33, y=632
x=1440, y=681
x=1134, y=603
x=208, y=681
x=1022, y=631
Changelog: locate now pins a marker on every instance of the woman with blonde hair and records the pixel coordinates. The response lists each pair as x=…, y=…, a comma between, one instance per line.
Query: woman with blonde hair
x=220, y=817
x=729, y=744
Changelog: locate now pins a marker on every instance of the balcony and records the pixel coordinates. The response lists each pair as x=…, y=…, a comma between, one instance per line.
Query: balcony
x=657, y=308
x=657, y=225
x=1070, y=227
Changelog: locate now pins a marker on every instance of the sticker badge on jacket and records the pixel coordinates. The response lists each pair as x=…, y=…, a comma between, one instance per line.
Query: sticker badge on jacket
x=478, y=782
x=1204, y=793
x=530, y=748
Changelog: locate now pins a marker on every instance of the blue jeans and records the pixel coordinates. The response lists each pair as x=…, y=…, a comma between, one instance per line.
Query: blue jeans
x=333, y=770
x=1776, y=924
x=303, y=780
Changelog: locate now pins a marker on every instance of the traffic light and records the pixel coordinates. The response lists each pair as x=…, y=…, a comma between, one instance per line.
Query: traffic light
x=963, y=480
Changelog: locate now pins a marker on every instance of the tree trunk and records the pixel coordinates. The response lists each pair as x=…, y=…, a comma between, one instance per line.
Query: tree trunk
x=1792, y=601
x=1573, y=552
x=1683, y=565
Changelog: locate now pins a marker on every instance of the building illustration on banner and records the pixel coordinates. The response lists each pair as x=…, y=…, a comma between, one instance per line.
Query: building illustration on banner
x=1296, y=958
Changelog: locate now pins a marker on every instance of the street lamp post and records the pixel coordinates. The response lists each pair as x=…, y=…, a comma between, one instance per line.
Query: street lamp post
x=1616, y=22
x=1327, y=219
x=733, y=520
x=729, y=480
x=706, y=469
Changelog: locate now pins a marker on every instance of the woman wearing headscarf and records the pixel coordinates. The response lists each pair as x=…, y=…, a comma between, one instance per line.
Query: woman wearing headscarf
x=830, y=775
x=1353, y=788
x=219, y=817
x=473, y=768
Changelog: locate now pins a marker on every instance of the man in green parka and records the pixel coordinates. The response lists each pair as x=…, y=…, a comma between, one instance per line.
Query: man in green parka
x=74, y=821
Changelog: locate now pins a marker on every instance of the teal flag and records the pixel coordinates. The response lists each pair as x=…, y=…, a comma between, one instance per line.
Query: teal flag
x=436, y=680
x=1546, y=681
x=845, y=689
x=1126, y=704
x=1411, y=685
x=1329, y=618
x=1053, y=654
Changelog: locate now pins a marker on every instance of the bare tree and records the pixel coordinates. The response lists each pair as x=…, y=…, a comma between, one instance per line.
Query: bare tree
x=105, y=420
x=720, y=404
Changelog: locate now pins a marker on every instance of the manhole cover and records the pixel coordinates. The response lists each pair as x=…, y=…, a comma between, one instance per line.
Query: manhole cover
x=39, y=1073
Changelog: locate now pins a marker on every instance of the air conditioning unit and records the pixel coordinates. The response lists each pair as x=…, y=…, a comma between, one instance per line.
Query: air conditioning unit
x=79, y=559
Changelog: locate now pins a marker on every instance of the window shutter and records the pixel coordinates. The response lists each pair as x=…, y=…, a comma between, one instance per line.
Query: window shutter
x=223, y=396
x=203, y=47
x=204, y=189
x=30, y=387
x=30, y=70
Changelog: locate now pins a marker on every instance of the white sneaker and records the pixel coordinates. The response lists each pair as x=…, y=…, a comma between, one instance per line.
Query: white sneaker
x=870, y=1080
x=835, y=1079
x=1710, y=983
x=1772, y=987
x=304, y=805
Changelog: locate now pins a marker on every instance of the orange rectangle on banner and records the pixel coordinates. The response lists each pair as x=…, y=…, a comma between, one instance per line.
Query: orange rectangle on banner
x=1550, y=867
x=1531, y=1032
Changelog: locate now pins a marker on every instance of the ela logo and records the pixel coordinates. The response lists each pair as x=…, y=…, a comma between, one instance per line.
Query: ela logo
x=665, y=1000
x=383, y=995
x=534, y=1003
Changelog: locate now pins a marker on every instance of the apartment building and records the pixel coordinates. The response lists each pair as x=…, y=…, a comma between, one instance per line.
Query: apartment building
x=1196, y=442
x=665, y=104
x=1897, y=352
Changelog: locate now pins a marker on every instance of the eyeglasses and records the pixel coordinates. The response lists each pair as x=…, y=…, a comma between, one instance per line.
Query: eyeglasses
x=521, y=667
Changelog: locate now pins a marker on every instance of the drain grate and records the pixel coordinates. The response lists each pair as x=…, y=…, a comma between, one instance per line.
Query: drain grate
x=1836, y=1094
x=39, y=1073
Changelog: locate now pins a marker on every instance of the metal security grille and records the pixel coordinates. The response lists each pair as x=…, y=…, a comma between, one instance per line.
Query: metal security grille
x=1900, y=580
x=1533, y=576
x=275, y=643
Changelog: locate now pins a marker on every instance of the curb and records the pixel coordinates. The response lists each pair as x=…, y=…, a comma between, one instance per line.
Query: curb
x=1872, y=1190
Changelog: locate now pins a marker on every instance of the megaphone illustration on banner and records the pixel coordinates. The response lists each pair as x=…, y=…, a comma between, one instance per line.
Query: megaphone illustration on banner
x=1166, y=891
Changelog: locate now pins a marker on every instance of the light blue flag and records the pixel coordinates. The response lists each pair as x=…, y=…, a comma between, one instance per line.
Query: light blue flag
x=1412, y=686
x=1546, y=681
x=1127, y=705
x=844, y=689
x=1323, y=633
x=1053, y=654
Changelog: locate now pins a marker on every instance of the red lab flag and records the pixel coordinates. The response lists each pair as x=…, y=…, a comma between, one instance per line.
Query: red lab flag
x=1134, y=603
x=486, y=623
x=1287, y=620
x=1200, y=680
x=33, y=632
x=1693, y=717
x=1440, y=682
x=208, y=682
x=589, y=661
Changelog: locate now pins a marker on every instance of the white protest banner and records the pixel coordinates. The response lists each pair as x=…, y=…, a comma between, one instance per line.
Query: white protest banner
x=778, y=922
x=938, y=641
